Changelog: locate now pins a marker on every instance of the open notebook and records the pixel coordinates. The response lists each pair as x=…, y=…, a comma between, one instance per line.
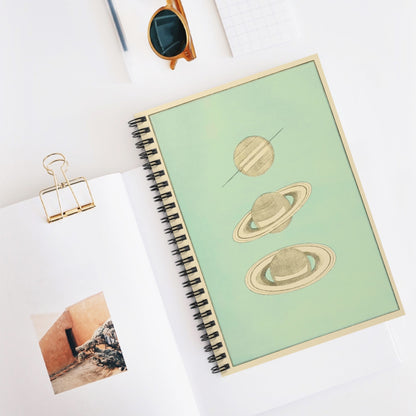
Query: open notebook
x=48, y=270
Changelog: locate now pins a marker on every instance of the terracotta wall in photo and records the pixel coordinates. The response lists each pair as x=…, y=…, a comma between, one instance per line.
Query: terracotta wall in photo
x=87, y=316
x=74, y=327
x=55, y=347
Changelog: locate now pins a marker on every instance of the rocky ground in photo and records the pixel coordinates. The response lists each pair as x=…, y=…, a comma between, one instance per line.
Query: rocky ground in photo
x=84, y=373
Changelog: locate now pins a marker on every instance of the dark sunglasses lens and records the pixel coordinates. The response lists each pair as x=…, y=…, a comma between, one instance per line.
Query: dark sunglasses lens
x=167, y=34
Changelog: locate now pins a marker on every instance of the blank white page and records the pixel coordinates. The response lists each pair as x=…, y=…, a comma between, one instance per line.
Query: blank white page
x=252, y=25
x=45, y=268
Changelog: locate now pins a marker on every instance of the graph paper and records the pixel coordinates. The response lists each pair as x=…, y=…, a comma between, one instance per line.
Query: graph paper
x=252, y=25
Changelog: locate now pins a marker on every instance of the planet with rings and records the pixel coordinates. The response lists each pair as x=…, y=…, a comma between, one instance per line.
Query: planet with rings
x=290, y=268
x=272, y=212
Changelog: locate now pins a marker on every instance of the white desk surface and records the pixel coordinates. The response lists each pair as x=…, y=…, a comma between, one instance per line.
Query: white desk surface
x=64, y=88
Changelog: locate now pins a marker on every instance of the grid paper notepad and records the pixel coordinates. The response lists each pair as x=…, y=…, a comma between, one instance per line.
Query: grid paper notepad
x=252, y=25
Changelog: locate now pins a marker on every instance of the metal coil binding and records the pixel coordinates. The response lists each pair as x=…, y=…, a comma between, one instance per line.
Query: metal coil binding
x=157, y=176
x=203, y=326
x=195, y=293
x=142, y=143
x=192, y=282
x=184, y=260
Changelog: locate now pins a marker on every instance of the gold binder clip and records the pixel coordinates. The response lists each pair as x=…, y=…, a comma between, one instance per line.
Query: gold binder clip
x=65, y=188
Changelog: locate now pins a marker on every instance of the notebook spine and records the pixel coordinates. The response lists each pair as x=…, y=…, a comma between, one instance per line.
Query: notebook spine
x=189, y=268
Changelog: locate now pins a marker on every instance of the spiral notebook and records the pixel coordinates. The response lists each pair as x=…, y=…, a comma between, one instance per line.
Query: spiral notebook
x=266, y=215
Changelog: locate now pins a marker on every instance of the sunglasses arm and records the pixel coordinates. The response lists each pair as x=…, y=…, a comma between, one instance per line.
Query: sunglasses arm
x=176, y=4
x=173, y=63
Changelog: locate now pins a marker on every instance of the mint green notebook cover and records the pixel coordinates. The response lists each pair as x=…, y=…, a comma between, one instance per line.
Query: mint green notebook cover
x=196, y=141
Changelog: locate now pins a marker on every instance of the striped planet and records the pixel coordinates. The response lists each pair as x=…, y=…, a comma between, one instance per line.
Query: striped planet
x=253, y=156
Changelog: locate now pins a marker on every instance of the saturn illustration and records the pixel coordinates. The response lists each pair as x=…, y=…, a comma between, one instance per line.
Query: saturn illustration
x=272, y=212
x=253, y=156
x=290, y=268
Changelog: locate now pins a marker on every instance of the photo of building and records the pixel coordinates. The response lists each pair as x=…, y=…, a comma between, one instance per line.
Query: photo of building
x=80, y=345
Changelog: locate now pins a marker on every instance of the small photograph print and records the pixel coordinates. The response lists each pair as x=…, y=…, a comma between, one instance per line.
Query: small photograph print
x=79, y=345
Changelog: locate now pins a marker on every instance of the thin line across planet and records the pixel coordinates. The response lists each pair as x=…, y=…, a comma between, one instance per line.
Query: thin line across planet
x=290, y=269
x=272, y=212
x=253, y=156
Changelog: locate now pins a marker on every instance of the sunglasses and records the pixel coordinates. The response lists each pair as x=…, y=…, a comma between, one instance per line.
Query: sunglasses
x=169, y=34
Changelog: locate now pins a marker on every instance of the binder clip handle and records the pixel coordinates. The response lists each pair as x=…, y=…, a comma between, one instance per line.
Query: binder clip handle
x=51, y=163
